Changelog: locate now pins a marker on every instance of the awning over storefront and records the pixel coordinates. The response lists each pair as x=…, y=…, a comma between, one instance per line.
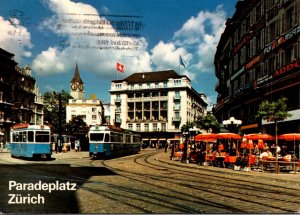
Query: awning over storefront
x=249, y=126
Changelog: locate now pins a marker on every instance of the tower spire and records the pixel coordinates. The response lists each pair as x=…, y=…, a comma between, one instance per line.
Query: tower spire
x=76, y=77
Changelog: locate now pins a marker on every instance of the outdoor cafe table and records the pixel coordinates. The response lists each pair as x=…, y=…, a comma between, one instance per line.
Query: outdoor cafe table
x=288, y=165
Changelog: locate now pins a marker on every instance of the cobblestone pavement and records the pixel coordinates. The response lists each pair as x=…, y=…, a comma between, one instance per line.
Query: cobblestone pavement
x=148, y=182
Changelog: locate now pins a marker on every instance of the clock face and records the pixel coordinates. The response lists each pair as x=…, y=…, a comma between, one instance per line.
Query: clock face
x=74, y=86
x=80, y=87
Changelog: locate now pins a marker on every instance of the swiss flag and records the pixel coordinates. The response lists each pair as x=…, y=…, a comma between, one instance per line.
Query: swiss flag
x=120, y=67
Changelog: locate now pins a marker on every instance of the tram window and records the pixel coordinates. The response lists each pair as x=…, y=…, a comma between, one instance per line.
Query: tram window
x=106, y=138
x=42, y=136
x=96, y=136
x=136, y=139
x=114, y=137
x=17, y=137
x=24, y=137
x=30, y=136
x=120, y=138
x=128, y=138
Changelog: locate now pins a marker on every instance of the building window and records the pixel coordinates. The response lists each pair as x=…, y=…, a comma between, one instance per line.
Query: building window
x=146, y=127
x=289, y=18
x=163, y=126
x=177, y=82
x=94, y=117
x=258, y=42
x=165, y=84
x=258, y=12
x=154, y=127
x=118, y=86
x=94, y=109
x=138, y=127
x=288, y=55
x=130, y=126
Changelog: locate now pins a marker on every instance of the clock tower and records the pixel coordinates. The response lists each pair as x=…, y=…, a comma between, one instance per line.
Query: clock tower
x=77, y=86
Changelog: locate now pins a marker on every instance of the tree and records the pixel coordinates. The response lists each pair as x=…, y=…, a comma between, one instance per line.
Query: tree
x=274, y=111
x=51, y=108
x=186, y=127
x=207, y=122
x=77, y=124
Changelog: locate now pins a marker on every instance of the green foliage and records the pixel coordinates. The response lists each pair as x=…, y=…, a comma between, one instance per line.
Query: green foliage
x=207, y=121
x=76, y=124
x=186, y=127
x=51, y=108
x=273, y=111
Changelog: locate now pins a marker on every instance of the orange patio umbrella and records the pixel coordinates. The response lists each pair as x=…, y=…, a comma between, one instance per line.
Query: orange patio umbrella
x=259, y=137
x=228, y=136
x=290, y=137
x=206, y=137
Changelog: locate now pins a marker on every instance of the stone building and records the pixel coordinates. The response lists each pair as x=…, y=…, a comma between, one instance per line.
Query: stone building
x=257, y=59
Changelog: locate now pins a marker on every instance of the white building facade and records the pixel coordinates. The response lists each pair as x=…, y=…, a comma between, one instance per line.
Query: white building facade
x=89, y=109
x=155, y=102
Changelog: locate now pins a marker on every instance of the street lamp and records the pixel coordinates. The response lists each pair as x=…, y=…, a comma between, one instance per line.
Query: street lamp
x=231, y=123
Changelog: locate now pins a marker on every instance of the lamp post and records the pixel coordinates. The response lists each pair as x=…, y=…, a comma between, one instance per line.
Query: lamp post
x=232, y=123
x=186, y=135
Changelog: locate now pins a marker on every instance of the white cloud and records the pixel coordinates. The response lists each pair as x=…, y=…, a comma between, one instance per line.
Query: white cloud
x=76, y=15
x=196, y=41
x=15, y=38
x=201, y=35
x=166, y=56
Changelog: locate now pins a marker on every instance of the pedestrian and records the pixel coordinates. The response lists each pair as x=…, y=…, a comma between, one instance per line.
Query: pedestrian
x=76, y=145
x=166, y=147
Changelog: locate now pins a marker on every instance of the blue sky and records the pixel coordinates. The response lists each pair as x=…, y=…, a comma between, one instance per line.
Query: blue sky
x=52, y=35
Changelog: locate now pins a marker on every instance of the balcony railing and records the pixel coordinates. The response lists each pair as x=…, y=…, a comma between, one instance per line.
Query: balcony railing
x=177, y=97
x=117, y=100
x=177, y=107
x=176, y=119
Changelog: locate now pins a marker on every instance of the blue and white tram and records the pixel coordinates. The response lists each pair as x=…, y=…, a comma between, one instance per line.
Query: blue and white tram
x=111, y=141
x=30, y=141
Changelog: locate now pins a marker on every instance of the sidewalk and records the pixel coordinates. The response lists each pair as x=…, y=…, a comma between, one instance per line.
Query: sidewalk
x=165, y=158
x=70, y=154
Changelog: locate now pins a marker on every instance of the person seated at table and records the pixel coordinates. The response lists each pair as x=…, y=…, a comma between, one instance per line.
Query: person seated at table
x=256, y=149
x=273, y=149
x=266, y=154
x=217, y=153
x=287, y=158
x=266, y=147
x=284, y=150
x=221, y=147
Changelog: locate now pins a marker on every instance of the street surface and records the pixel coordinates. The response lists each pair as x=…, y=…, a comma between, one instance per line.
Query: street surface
x=148, y=182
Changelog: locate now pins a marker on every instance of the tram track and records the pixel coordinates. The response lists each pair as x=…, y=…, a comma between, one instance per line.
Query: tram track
x=257, y=199
x=170, y=192
x=113, y=195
